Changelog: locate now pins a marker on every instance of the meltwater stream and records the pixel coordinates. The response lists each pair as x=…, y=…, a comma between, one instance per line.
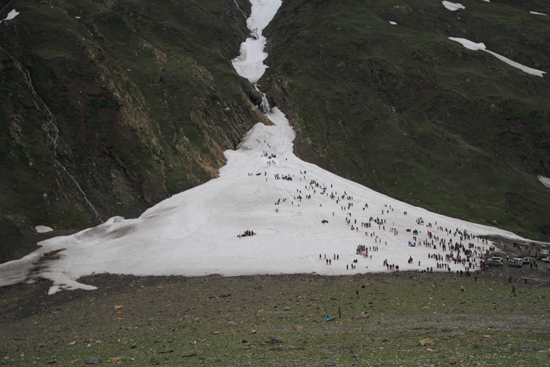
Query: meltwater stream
x=249, y=64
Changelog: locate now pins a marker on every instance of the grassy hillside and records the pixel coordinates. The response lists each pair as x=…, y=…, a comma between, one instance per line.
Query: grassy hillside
x=111, y=106
x=412, y=114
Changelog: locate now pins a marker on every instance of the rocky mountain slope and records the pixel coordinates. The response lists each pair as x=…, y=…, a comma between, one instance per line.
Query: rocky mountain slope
x=406, y=111
x=109, y=106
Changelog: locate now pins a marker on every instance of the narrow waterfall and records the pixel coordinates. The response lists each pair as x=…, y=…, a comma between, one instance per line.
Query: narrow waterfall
x=264, y=105
x=240, y=10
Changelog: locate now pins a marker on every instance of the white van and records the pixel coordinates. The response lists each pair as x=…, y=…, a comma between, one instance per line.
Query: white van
x=516, y=261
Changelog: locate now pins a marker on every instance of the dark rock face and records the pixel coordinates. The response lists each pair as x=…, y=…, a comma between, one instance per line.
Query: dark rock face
x=9, y=234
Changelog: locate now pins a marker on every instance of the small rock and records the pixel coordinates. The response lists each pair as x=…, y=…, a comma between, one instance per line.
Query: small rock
x=425, y=342
x=223, y=295
x=287, y=308
x=167, y=351
x=231, y=323
x=453, y=360
x=329, y=363
x=189, y=355
x=53, y=361
x=275, y=339
x=245, y=341
x=93, y=360
x=116, y=359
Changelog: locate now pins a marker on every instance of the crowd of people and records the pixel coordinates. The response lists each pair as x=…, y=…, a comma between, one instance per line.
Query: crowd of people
x=454, y=247
x=247, y=233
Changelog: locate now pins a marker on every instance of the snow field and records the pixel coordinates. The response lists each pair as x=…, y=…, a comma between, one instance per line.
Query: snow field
x=197, y=232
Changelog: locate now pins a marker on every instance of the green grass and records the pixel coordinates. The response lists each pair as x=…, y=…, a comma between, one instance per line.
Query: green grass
x=242, y=320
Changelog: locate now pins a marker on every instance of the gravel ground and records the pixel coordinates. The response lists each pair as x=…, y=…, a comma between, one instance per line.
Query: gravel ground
x=216, y=319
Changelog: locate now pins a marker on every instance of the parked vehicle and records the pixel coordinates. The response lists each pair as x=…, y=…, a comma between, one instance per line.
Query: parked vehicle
x=526, y=260
x=516, y=261
x=493, y=262
x=546, y=259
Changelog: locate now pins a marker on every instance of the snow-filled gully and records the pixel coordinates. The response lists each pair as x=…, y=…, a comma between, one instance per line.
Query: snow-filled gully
x=302, y=216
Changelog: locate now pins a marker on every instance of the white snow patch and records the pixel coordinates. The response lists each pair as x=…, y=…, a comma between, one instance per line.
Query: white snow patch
x=392, y=23
x=43, y=229
x=545, y=181
x=537, y=13
x=480, y=46
x=452, y=6
x=12, y=14
x=487, y=1
x=249, y=63
x=299, y=212
x=469, y=44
